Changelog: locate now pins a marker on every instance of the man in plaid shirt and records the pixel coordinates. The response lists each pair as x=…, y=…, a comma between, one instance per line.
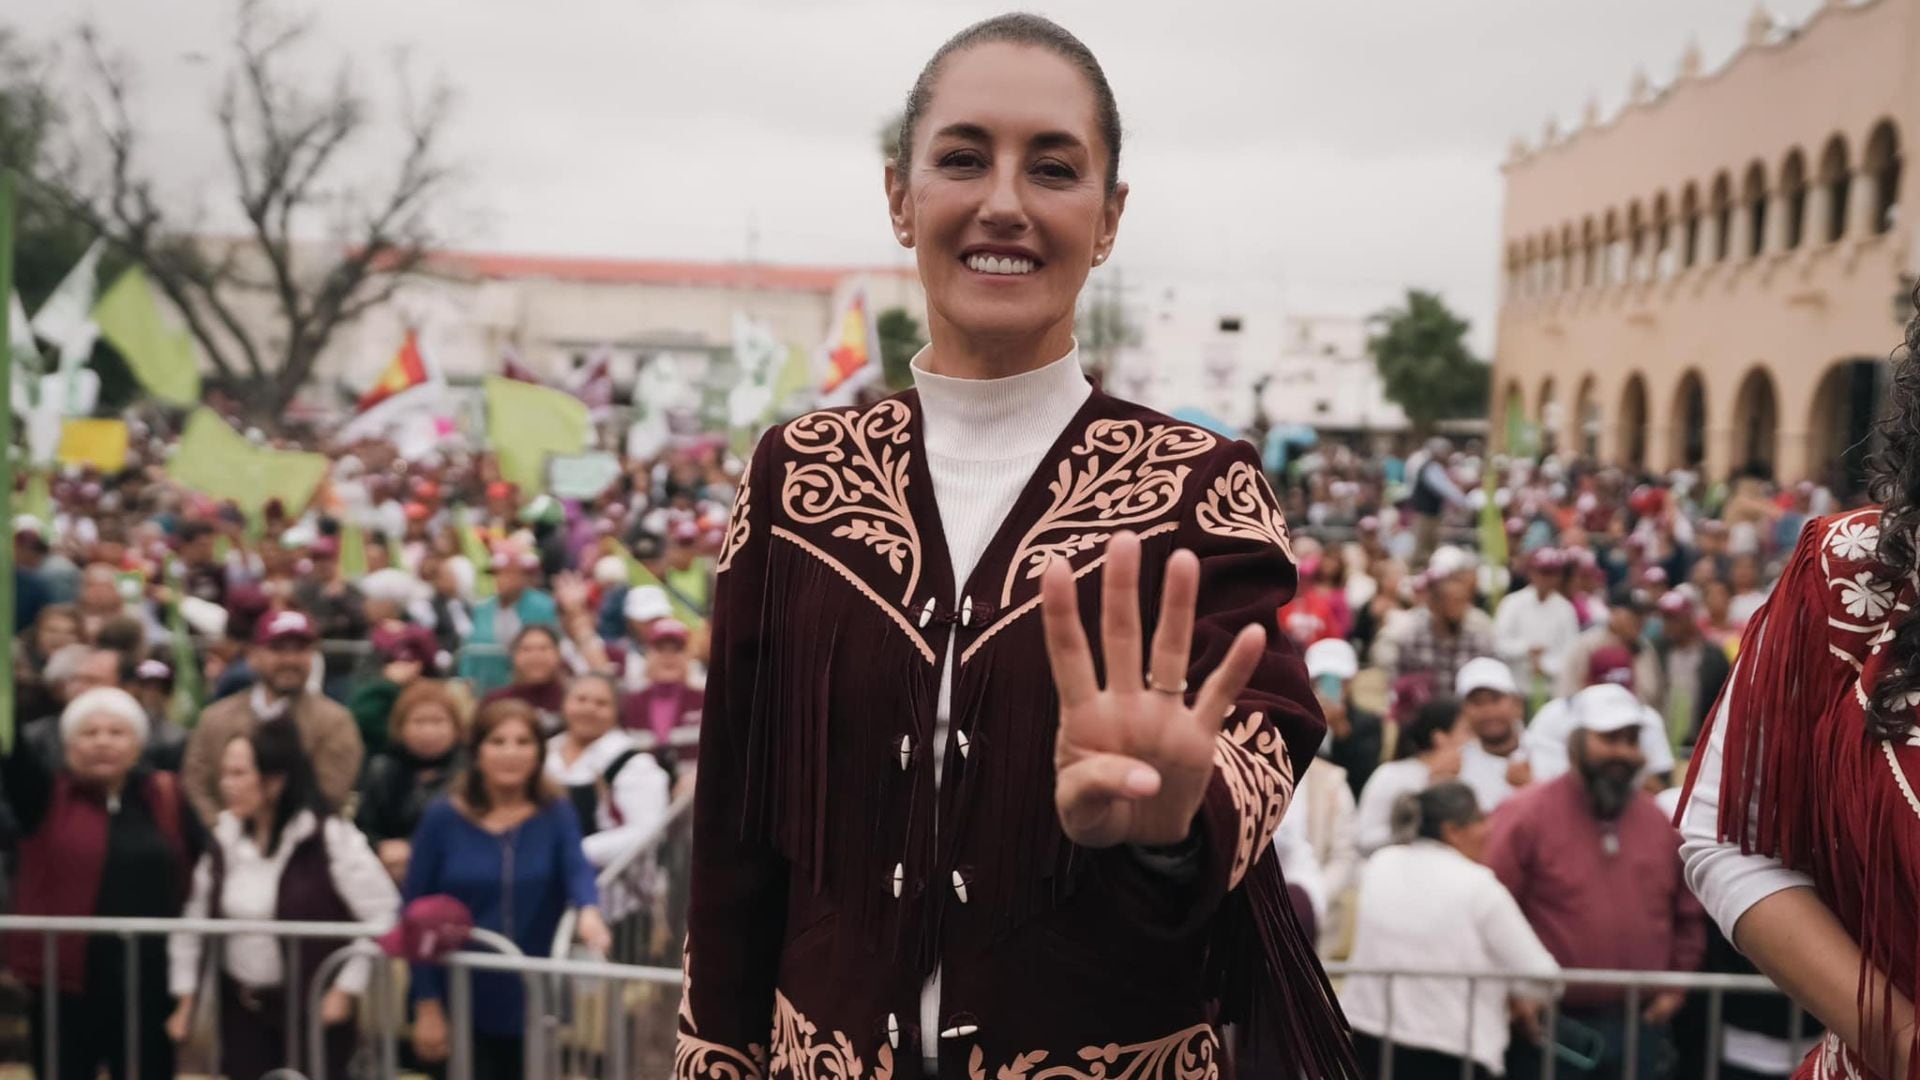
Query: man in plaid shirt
x=1441, y=644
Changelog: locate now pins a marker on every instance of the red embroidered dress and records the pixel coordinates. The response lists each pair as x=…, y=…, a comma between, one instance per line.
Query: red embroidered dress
x=1800, y=779
x=823, y=895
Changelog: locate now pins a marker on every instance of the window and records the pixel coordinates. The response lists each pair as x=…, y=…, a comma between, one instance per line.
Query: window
x=1722, y=218
x=1230, y=324
x=1836, y=176
x=1883, y=169
x=1755, y=197
x=1793, y=199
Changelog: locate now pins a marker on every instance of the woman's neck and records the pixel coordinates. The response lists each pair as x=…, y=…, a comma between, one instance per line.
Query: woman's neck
x=506, y=799
x=957, y=354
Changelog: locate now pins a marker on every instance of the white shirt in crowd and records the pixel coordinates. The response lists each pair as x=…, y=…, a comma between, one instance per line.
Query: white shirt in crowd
x=628, y=810
x=1527, y=621
x=1486, y=772
x=1425, y=906
x=1298, y=864
x=1374, y=819
x=251, y=890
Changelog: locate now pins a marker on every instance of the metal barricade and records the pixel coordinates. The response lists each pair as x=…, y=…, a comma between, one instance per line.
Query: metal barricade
x=1631, y=983
x=131, y=931
x=585, y=1018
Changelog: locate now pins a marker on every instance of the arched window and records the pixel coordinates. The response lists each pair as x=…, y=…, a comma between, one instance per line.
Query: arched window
x=1722, y=217
x=1549, y=265
x=1589, y=255
x=1883, y=169
x=1793, y=198
x=1689, y=227
x=1755, y=197
x=1610, y=250
x=1836, y=178
x=1662, y=238
x=1636, y=242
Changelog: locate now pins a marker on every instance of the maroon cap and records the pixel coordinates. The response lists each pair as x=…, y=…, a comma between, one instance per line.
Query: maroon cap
x=284, y=626
x=429, y=929
x=1548, y=561
x=1676, y=602
x=668, y=630
x=324, y=547
x=1611, y=664
x=407, y=643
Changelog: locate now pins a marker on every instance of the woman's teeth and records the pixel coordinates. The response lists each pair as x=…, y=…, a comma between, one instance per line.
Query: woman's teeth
x=989, y=264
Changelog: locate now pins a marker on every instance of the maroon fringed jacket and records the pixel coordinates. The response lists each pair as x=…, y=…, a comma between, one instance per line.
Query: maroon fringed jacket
x=823, y=896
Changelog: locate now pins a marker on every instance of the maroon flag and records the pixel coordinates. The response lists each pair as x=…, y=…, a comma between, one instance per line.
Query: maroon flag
x=512, y=368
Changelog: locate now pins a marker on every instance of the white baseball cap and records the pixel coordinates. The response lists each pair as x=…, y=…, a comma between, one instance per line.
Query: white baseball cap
x=1485, y=673
x=1331, y=656
x=646, y=602
x=1607, y=708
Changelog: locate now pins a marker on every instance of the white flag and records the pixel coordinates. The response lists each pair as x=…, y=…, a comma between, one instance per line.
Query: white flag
x=66, y=319
x=759, y=356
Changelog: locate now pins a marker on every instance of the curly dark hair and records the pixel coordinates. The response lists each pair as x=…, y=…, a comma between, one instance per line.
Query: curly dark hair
x=1896, y=487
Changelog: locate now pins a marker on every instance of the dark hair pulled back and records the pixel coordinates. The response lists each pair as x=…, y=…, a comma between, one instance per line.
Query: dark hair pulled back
x=1017, y=28
x=1422, y=814
x=1896, y=487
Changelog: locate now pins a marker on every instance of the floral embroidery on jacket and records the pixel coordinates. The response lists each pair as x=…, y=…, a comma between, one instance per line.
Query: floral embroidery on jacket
x=1260, y=779
x=738, y=527
x=1121, y=474
x=860, y=474
x=695, y=1058
x=1183, y=1055
x=798, y=1054
x=1241, y=506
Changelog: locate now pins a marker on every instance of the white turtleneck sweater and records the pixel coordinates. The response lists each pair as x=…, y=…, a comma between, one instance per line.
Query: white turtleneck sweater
x=984, y=439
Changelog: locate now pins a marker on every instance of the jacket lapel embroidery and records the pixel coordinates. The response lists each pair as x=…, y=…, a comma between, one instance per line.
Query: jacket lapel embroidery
x=799, y=1054
x=854, y=466
x=1122, y=474
x=1241, y=506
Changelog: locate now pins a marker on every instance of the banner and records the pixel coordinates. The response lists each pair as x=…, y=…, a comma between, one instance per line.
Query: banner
x=526, y=423
x=100, y=444
x=216, y=461
x=161, y=357
x=65, y=317
x=405, y=371
x=759, y=356
x=581, y=476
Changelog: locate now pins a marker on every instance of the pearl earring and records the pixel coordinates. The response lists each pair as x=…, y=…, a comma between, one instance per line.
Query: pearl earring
x=904, y=238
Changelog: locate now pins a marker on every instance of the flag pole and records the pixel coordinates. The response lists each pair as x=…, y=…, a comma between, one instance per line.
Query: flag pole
x=7, y=598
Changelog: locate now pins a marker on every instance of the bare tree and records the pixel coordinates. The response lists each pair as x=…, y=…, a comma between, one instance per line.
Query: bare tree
x=287, y=151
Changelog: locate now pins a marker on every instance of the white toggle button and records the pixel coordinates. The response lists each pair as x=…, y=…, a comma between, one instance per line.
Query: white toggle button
x=906, y=750
x=960, y=1032
x=959, y=886
x=899, y=879
x=893, y=1031
x=960, y=739
x=966, y=611
x=926, y=613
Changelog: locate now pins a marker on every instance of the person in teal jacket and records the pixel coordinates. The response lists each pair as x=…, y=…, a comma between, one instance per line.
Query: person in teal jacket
x=515, y=603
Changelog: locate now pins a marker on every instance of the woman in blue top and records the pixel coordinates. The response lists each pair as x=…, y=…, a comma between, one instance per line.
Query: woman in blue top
x=506, y=844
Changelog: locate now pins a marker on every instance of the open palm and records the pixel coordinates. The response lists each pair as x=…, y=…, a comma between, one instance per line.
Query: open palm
x=1133, y=758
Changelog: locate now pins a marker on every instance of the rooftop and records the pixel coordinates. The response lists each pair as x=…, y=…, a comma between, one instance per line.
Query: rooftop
x=721, y=275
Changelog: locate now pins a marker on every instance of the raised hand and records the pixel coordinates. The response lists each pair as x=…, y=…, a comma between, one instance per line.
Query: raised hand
x=1133, y=758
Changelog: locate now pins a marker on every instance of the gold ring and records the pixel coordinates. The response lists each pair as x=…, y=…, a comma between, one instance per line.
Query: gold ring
x=1176, y=691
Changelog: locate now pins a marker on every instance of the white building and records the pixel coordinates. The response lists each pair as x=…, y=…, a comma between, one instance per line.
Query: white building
x=1231, y=353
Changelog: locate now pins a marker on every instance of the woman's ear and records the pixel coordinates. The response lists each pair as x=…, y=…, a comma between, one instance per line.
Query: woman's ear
x=899, y=208
x=1116, y=205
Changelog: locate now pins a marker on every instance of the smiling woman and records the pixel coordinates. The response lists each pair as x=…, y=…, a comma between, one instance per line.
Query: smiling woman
x=945, y=825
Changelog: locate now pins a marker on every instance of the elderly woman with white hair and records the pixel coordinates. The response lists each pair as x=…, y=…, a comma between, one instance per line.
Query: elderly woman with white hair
x=101, y=836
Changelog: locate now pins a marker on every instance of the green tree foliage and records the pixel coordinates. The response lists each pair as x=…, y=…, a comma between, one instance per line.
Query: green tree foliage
x=900, y=339
x=1421, y=351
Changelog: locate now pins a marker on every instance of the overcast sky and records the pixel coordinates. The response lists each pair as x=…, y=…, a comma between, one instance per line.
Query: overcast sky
x=1320, y=155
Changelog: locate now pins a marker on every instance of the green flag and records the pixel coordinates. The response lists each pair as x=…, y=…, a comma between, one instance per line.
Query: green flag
x=215, y=460
x=353, y=552
x=162, y=358
x=527, y=423
x=1493, y=530
x=475, y=549
x=187, y=698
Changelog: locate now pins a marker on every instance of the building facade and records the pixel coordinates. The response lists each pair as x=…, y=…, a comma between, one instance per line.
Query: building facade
x=553, y=313
x=1714, y=277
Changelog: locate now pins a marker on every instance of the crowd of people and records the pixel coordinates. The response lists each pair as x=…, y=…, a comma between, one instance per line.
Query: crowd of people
x=426, y=683
x=479, y=682
x=1505, y=743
